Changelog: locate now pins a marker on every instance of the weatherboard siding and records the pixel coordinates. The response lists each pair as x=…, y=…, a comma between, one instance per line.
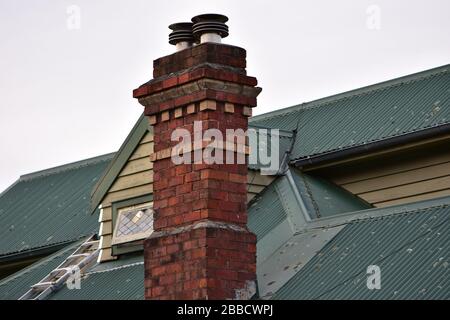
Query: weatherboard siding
x=134, y=180
x=256, y=183
x=397, y=182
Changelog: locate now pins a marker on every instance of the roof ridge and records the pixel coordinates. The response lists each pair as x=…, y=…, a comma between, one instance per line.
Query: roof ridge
x=379, y=213
x=395, y=214
x=67, y=167
x=379, y=86
x=283, y=132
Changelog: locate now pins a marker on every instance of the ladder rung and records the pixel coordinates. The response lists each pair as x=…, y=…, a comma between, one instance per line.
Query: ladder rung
x=89, y=243
x=61, y=270
x=42, y=289
x=43, y=284
x=79, y=255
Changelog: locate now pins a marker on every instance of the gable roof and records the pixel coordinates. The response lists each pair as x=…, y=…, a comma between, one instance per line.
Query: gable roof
x=417, y=104
x=119, y=161
x=49, y=208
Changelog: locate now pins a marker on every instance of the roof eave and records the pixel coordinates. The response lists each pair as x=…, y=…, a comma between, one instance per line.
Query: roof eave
x=34, y=252
x=375, y=146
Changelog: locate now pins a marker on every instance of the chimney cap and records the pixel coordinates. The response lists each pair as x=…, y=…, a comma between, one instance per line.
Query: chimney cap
x=181, y=32
x=210, y=23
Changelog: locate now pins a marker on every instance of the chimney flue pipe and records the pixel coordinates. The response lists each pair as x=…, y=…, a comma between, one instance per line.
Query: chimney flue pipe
x=210, y=28
x=181, y=36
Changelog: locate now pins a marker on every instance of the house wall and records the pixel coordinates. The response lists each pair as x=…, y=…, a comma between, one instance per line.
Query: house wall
x=410, y=176
x=136, y=179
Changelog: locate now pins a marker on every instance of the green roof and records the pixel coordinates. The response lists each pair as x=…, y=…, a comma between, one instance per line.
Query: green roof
x=263, y=137
x=326, y=260
x=390, y=109
x=49, y=207
x=265, y=212
x=117, y=280
x=14, y=286
x=320, y=198
x=121, y=279
x=290, y=203
x=411, y=248
x=324, y=198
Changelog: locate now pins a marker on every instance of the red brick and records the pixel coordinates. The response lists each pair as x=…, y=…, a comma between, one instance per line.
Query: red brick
x=192, y=176
x=238, y=178
x=185, y=188
x=192, y=216
x=213, y=174
x=167, y=280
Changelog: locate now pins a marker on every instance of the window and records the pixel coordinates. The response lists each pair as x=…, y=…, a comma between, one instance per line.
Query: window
x=132, y=223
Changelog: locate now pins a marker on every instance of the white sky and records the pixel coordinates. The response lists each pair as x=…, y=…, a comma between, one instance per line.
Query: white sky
x=66, y=95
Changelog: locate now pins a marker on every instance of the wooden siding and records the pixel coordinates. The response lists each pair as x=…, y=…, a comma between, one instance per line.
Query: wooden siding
x=135, y=179
x=416, y=175
x=256, y=183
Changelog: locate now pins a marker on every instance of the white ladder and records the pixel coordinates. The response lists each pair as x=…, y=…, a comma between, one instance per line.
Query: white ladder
x=80, y=258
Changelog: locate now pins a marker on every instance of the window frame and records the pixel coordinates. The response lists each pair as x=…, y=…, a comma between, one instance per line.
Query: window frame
x=132, y=245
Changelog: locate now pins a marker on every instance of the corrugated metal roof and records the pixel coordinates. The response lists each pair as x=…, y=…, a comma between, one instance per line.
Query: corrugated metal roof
x=285, y=261
x=412, y=249
x=323, y=198
x=49, y=207
x=265, y=212
x=123, y=281
x=393, y=108
x=263, y=138
x=13, y=287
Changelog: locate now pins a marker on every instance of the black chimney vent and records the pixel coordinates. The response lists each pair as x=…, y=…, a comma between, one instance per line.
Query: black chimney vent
x=210, y=24
x=181, y=32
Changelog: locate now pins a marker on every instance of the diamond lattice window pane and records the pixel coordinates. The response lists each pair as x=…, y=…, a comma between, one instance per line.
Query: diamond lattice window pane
x=133, y=223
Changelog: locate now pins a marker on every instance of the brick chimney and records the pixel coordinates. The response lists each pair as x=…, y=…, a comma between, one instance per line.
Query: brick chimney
x=201, y=247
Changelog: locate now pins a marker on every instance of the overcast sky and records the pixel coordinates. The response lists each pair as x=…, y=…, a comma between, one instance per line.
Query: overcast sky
x=66, y=83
